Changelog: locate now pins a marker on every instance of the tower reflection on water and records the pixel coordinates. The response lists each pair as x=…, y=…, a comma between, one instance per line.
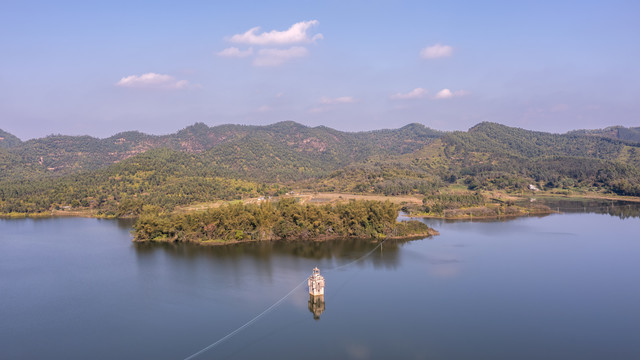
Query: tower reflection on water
x=316, y=305
x=316, y=293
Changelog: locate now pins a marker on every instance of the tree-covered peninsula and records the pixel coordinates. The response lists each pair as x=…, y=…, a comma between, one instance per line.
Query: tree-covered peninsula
x=285, y=219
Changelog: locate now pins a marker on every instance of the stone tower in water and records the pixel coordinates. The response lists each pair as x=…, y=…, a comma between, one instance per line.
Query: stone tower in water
x=316, y=283
x=316, y=293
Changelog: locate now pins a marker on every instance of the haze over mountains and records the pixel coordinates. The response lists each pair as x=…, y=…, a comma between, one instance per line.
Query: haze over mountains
x=202, y=163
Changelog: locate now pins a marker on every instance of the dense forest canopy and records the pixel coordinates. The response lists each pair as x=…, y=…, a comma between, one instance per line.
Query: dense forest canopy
x=284, y=220
x=8, y=140
x=614, y=132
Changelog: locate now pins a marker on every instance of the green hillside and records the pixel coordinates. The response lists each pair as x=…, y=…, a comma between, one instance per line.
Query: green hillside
x=123, y=173
x=631, y=134
x=291, y=150
x=8, y=140
x=492, y=156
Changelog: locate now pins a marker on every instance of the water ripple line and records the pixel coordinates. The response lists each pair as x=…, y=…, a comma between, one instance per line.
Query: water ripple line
x=273, y=306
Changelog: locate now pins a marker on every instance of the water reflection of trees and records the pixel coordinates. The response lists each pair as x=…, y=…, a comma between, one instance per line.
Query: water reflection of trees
x=621, y=209
x=339, y=251
x=125, y=223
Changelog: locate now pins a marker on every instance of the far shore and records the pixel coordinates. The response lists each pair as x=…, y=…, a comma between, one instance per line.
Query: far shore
x=82, y=213
x=486, y=217
x=327, y=198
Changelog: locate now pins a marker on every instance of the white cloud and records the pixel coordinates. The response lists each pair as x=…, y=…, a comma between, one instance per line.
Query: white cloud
x=416, y=93
x=327, y=103
x=275, y=57
x=152, y=80
x=444, y=94
x=235, y=52
x=436, y=51
x=338, y=100
x=296, y=34
x=448, y=94
x=268, y=55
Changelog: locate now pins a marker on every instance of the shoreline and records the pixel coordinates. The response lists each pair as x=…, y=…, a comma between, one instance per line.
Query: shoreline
x=62, y=213
x=496, y=217
x=430, y=233
x=482, y=217
x=633, y=199
x=90, y=213
x=525, y=211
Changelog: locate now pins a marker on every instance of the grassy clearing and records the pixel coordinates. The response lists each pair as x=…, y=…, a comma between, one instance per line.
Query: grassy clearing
x=314, y=198
x=319, y=198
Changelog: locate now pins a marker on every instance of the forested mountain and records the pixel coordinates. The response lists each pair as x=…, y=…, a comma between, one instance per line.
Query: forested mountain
x=120, y=174
x=59, y=154
x=496, y=155
x=504, y=140
x=237, y=150
x=7, y=140
x=631, y=134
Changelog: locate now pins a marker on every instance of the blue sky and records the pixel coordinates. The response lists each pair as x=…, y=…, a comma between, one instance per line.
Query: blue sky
x=98, y=68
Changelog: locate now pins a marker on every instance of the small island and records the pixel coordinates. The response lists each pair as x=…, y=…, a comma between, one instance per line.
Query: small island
x=286, y=219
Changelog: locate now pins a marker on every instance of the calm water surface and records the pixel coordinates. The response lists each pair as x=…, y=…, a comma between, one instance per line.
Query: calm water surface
x=557, y=287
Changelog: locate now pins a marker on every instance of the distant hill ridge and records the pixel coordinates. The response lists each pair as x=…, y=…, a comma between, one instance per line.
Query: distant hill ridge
x=497, y=138
x=631, y=134
x=241, y=150
x=205, y=135
x=8, y=140
x=62, y=154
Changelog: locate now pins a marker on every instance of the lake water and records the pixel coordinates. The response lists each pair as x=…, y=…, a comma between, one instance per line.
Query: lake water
x=564, y=286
